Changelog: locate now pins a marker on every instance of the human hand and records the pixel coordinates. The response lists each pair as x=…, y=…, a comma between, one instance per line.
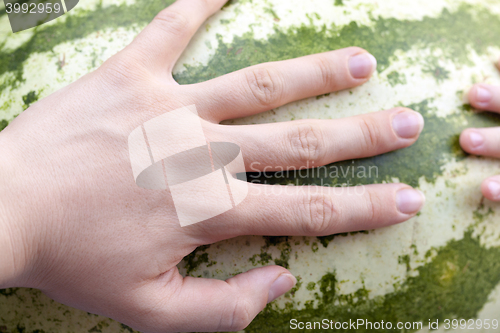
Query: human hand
x=84, y=233
x=484, y=141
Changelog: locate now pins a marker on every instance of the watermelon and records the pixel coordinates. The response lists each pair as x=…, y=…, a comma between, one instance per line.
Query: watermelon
x=441, y=265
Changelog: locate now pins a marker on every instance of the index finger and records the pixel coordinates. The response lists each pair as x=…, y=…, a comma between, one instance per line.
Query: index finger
x=165, y=38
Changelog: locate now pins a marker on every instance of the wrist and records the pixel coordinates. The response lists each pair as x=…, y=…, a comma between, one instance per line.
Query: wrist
x=7, y=261
x=12, y=247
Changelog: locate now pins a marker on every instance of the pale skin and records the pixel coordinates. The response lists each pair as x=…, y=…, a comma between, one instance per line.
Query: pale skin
x=485, y=141
x=74, y=224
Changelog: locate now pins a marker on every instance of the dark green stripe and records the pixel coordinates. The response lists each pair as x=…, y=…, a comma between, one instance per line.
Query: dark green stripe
x=450, y=32
x=76, y=26
x=455, y=284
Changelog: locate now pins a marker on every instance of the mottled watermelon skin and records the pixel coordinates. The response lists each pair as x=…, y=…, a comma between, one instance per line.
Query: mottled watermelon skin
x=442, y=264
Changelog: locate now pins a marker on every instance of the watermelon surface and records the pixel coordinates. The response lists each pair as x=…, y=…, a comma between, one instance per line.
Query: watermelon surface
x=442, y=264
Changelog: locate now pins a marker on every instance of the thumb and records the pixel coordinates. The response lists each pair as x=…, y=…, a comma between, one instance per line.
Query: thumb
x=196, y=304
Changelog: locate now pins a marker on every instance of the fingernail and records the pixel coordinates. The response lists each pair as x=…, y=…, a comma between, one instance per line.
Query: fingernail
x=409, y=201
x=483, y=95
x=476, y=139
x=494, y=188
x=281, y=285
x=362, y=65
x=408, y=124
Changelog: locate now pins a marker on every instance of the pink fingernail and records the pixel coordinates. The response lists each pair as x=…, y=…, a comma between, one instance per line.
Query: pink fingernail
x=362, y=65
x=494, y=188
x=408, y=124
x=281, y=285
x=476, y=139
x=483, y=95
x=409, y=201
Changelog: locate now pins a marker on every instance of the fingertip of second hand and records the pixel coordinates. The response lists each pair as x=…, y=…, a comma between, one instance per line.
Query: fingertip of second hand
x=493, y=188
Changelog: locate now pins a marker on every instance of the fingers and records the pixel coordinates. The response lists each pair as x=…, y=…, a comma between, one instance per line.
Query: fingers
x=269, y=85
x=314, y=143
x=481, y=141
x=485, y=97
x=165, y=38
x=484, y=141
x=491, y=188
x=319, y=210
x=199, y=305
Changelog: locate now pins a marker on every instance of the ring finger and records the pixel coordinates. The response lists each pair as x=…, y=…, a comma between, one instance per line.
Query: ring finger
x=317, y=210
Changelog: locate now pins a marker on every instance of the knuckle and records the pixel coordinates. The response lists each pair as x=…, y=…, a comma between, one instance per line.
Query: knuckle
x=265, y=85
x=370, y=133
x=305, y=139
x=172, y=22
x=327, y=72
x=241, y=315
x=373, y=206
x=119, y=70
x=320, y=214
x=206, y=4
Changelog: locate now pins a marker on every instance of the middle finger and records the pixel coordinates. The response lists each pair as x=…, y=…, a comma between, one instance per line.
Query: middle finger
x=314, y=142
